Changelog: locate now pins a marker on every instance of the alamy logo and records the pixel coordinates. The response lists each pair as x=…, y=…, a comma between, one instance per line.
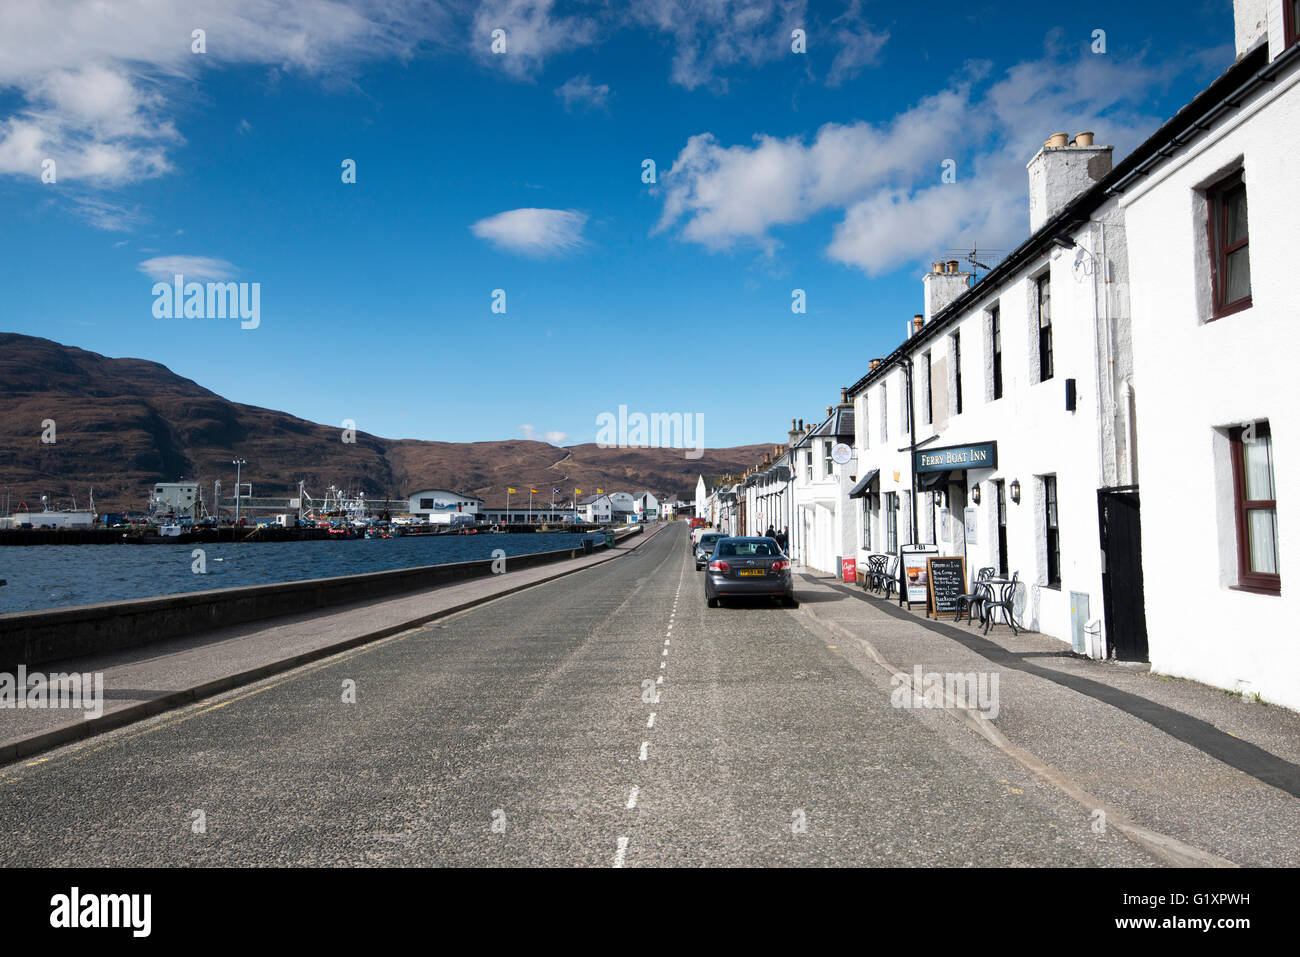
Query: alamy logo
x=974, y=692
x=659, y=430
x=84, y=692
x=103, y=910
x=214, y=300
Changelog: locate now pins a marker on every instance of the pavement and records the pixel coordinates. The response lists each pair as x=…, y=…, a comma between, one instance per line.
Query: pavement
x=608, y=718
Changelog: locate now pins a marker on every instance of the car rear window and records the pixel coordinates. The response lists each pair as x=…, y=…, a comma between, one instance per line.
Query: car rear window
x=758, y=549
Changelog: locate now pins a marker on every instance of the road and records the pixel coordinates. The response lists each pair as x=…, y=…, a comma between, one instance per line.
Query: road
x=536, y=730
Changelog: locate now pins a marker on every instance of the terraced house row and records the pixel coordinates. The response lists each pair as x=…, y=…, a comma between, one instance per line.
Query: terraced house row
x=1110, y=414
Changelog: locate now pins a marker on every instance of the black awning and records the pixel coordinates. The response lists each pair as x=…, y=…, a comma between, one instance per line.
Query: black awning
x=933, y=480
x=859, y=490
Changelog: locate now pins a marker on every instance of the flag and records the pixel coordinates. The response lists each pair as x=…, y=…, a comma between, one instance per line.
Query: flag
x=577, y=491
x=600, y=491
x=511, y=491
x=555, y=491
x=532, y=491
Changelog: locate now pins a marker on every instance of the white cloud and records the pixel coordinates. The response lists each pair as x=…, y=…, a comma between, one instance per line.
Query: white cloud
x=580, y=91
x=533, y=232
x=714, y=35
x=859, y=45
x=196, y=268
x=885, y=178
x=97, y=81
x=533, y=34
x=552, y=436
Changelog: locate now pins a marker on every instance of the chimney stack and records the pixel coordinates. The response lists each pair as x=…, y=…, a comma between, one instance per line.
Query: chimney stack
x=942, y=286
x=873, y=365
x=1251, y=20
x=1061, y=172
x=844, y=398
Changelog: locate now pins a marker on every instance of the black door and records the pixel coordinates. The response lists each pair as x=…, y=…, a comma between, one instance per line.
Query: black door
x=1002, y=528
x=1121, y=577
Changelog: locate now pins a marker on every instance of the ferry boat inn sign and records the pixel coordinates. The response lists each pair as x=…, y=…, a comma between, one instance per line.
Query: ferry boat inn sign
x=982, y=455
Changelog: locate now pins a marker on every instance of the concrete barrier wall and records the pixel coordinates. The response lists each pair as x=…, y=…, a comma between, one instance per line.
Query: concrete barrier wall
x=37, y=637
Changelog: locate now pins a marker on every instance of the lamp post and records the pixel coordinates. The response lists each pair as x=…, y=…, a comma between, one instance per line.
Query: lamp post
x=239, y=465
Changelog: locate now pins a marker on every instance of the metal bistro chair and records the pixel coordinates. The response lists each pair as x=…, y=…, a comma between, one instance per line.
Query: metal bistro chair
x=977, y=596
x=875, y=572
x=890, y=579
x=1006, y=601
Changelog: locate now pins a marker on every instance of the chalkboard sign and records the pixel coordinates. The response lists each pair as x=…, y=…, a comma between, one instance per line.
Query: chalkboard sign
x=946, y=579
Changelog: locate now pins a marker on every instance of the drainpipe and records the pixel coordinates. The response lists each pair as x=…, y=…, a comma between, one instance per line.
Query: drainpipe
x=1130, y=429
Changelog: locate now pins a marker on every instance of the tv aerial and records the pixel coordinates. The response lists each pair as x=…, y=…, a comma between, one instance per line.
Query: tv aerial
x=976, y=256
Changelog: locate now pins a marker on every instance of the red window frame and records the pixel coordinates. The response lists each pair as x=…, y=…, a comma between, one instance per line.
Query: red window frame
x=1218, y=227
x=1246, y=578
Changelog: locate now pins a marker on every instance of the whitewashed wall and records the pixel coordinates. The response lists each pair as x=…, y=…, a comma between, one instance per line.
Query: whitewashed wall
x=1196, y=379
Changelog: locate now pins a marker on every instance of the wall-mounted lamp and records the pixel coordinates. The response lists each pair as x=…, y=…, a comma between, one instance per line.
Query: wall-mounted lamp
x=975, y=494
x=1015, y=491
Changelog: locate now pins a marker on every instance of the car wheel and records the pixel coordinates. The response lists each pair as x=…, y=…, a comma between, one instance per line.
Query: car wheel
x=791, y=602
x=711, y=602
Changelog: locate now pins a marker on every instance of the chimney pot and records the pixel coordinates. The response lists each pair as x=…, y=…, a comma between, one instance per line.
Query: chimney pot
x=938, y=267
x=917, y=322
x=1057, y=140
x=1083, y=139
x=953, y=265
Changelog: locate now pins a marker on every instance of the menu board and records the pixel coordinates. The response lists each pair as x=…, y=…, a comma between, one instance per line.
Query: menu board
x=915, y=577
x=946, y=580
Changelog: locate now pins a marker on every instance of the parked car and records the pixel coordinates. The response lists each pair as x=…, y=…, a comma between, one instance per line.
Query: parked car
x=704, y=550
x=697, y=532
x=748, y=567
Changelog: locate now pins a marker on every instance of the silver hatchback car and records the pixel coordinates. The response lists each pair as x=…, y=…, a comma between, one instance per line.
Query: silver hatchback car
x=748, y=567
x=704, y=550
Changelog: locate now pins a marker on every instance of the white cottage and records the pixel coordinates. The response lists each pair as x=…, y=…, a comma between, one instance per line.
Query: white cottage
x=1212, y=226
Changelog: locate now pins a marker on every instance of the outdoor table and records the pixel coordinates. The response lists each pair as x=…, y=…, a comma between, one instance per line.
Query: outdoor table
x=989, y=583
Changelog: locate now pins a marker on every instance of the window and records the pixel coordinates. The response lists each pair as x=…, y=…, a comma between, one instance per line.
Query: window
x=808, y=464
x=1256, y=505
x=1291, y=16
x=1229, y=246
x=426, y=503
x=884, y=412
x=956, y=369
x=830, y=462
x=1053, y=532
x=891, y=523
x=929, y=388
x=996, y=315
x=866, y=523
x=1044, y=296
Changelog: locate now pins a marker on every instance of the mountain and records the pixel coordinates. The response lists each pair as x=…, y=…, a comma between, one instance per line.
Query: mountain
x=120, y=425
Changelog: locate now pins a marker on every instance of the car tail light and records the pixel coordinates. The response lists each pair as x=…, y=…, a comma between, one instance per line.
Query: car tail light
x=719, y=567
x=780, y=566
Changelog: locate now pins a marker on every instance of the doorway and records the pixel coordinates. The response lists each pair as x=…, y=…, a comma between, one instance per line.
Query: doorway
x=1121, y=574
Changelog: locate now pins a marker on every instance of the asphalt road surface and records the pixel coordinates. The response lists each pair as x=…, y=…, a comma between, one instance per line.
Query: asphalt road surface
x=536, y=730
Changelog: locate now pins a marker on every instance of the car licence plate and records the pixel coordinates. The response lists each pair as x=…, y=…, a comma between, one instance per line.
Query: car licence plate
x=752, y=571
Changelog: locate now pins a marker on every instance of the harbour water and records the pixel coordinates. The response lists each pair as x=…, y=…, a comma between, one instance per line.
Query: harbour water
x=56, y=576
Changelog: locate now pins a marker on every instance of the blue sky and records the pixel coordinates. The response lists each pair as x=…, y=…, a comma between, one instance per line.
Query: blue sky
x=522, y=171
